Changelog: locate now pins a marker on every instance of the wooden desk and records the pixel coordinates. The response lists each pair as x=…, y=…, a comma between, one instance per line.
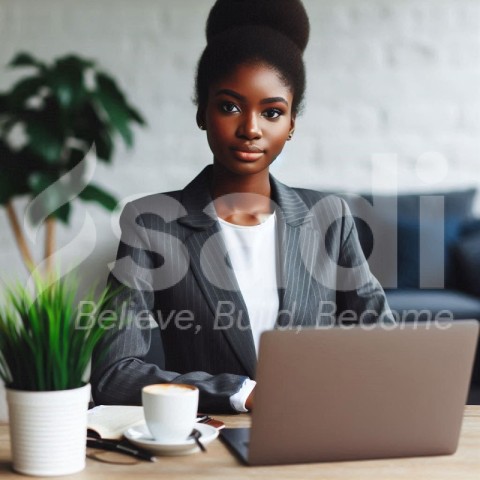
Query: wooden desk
x=219, y=463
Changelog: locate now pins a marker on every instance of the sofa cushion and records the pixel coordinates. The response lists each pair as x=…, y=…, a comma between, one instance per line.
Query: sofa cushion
x=467, y=257
x=396, y=225
x=411, y=272
x=425, y=304
x=470, y=226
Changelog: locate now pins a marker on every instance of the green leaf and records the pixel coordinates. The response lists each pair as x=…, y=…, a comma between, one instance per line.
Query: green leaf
x=63, y=213
x=66, y=81
x=48, y=204
x=136, y=115
x=10, y=187
x=113, y=102
x=89, y=126
x=96, y=194
x=24, y=59
x=87, y=121
x=3, y=103
x=104, y=144
x=82, y=63
x=23, y=90
x=45, y=140
x=12, y=176
x=75, y=156
x=39, y=181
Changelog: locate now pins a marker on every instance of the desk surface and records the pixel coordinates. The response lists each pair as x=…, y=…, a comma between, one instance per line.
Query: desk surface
x=219, y=463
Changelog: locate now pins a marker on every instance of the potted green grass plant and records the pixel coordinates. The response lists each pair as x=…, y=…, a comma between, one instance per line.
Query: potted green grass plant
x=46, y=341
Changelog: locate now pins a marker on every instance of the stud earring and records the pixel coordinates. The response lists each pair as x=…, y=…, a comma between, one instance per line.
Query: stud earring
x=202, y=127
x=290, y=135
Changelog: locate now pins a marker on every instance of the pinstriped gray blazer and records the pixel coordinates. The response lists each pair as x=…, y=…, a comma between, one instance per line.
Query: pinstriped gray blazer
x=175, y=269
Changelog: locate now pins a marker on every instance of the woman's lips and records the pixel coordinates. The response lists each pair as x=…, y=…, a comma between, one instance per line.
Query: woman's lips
x=247, y=154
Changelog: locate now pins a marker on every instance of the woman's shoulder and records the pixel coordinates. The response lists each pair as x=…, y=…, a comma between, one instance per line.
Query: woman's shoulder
x=322, y=199
x=164, y=206
x=158, y=198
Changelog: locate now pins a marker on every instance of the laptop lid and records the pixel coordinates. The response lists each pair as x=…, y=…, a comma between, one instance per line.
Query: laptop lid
x=363, y=392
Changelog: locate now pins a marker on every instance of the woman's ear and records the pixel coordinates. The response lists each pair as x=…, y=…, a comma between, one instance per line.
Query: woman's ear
x=292, y=127
x=292, y=122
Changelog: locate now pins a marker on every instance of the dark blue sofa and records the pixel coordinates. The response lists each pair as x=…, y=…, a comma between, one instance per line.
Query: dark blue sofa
x=425, y=251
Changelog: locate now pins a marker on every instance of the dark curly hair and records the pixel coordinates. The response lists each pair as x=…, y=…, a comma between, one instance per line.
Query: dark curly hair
x=270, y=32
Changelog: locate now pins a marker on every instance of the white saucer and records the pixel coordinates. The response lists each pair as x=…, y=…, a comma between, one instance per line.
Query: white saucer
x=141, y=436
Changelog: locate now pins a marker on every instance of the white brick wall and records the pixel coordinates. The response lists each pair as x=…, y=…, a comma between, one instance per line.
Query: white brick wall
x=385, y=76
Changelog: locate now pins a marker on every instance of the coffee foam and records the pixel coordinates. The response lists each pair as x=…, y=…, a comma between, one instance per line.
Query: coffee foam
x=169, y=389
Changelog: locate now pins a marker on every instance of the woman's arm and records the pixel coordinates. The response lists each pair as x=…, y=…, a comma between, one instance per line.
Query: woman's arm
x=118, y=368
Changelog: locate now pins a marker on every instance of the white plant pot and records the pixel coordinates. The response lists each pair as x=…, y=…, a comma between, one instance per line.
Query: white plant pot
x=48, y=430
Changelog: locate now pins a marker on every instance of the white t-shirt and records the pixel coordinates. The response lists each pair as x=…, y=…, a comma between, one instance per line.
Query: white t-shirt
x=253, y=252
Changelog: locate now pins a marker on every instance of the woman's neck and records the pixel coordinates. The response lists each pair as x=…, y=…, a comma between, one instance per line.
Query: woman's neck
x=241, y=199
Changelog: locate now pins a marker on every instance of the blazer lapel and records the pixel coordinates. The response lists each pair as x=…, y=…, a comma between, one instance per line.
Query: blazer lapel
x=297, y=246
x=209, y=262
x=298, y=243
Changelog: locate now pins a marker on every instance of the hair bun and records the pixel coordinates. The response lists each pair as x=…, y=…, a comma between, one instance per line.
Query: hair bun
x=286, y=16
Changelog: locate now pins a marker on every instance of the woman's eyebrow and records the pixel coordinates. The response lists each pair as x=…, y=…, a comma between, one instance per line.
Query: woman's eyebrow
x=232, y=93
x=274, y=100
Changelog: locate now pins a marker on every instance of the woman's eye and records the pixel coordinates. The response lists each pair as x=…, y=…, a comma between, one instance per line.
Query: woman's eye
x=229, y=107
x=273, y=113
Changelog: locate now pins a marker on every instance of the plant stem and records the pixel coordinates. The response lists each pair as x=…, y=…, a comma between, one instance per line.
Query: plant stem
x=49, y=243
x=20, y=238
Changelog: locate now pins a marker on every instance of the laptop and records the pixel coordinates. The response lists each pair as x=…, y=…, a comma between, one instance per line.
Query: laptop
x=359, y=393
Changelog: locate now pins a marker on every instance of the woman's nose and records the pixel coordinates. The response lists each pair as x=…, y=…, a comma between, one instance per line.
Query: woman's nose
x=249, y=127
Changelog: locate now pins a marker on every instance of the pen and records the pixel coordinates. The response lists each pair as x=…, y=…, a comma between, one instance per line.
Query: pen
x=118, y=447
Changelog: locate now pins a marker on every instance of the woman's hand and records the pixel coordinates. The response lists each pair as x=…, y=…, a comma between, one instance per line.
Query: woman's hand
x=249, y=402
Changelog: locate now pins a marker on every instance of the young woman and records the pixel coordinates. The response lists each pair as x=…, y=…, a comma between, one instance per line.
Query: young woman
x=235, y=252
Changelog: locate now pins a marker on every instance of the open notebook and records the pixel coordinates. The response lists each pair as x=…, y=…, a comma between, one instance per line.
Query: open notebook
x=110, y=421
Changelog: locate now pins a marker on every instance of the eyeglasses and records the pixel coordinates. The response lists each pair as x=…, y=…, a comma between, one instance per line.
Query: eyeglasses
x=121, y=452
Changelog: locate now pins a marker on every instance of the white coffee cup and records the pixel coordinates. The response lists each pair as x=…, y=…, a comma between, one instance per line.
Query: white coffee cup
x=170, y=410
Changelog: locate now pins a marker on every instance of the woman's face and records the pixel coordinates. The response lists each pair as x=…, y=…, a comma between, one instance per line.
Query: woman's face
x=248, y=118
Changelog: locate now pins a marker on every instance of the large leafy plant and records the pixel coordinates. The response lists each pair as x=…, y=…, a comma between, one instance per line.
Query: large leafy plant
x=49, y=119
x=47, y=337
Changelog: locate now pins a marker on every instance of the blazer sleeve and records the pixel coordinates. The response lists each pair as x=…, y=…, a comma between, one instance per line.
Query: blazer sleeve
x=118, y=368
x=366, y=303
